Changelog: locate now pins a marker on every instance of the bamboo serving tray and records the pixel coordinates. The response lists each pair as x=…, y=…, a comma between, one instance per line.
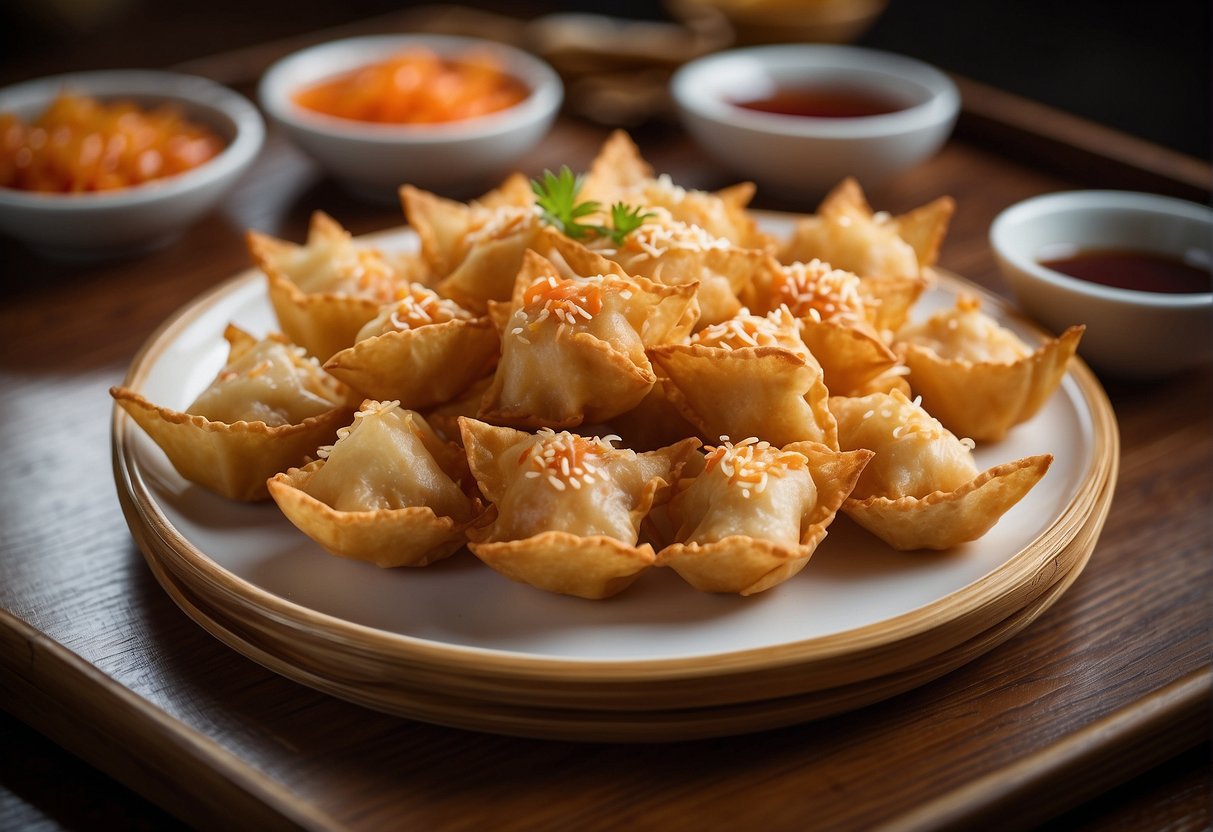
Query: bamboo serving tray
x=457, y=645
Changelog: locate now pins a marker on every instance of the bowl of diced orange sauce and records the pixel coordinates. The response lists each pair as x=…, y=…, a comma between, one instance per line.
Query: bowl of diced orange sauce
x=443, y=113
x=118, y=161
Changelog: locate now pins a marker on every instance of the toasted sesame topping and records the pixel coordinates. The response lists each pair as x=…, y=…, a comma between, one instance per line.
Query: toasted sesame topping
x=664, y=184
x=652, y=240
x=750, y=463
x=566, y=460
x=816, y=290
x=570, y=301
x=417, y=306
x=488, y=225
x=364, y=272
x=744, y=330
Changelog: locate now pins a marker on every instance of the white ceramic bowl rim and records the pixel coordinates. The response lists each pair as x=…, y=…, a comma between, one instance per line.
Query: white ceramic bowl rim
x=200, y=93
x=698, y=86
x=1109, y=202
x=326, y=60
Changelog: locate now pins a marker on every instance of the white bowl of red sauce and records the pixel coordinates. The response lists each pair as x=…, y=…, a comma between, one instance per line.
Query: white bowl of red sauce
x=1133, y=267
x=799, y=118
x=444, y=113
x=117, y=162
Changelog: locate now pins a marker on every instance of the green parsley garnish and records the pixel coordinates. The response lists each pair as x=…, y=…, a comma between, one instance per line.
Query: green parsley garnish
x=625, y=219
x=556, y=196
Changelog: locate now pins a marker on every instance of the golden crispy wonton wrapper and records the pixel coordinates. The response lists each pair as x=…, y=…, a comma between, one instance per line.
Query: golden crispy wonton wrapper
x=942, y=519
x=419, y=367
x=977, y=377
x=769, y=392
x=847, y=234
x=620, y=174
x=566, y=510
x=473, y=250
x=235, y=459
x=323, y=292
x=563, y=368
x=380, y=504
x=747, y=561
x=922, y=489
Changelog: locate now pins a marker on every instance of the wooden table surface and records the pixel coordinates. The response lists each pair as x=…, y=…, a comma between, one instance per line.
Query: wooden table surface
x=1110, y=683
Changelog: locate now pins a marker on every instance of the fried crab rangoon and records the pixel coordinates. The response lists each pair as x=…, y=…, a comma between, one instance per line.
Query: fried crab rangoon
x=573, y=347
x=891, y=255
x=620, y=174
x=269, y=408
x=847, y=234
x=326, y=290
x=978, y=377
x=474, y=250
x=421, y=350
x=750, y=376
x=566, y=509
x=676, y=253
x=756, y=513
x=389, y=491
x=922, y=489
x=834, y=318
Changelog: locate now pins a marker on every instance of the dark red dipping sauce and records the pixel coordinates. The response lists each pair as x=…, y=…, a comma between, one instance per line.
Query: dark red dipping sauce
x=1141, y=271
x=824, y=102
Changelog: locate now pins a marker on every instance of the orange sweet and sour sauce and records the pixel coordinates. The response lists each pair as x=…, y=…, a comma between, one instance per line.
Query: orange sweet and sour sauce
x=82, y=145
x=416, y=87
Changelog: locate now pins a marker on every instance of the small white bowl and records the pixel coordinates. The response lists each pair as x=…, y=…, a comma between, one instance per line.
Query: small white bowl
x=146, y=216
x=374, y=160
x=1131, y=334
x=805, y=156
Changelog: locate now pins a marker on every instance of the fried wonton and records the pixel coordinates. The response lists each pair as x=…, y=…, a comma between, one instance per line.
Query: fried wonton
x=474, y=249
x=835, y=323
x=750, y=376
x=326, y=290
x=847, y=234
x=421, y=349
x=620, y=174
x=389, y=491
x=268, y=409
x=978, y=377
x=573, y=347
x=922, y=489
x=891, y=255
x=566, y=509
x=675, y=253
x=755, y=515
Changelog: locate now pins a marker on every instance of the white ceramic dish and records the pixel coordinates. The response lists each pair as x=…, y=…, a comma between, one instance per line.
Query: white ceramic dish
x=147, y=216
x=803, y=156
x=1129, y=333
x=374, y=160
x=853, y=581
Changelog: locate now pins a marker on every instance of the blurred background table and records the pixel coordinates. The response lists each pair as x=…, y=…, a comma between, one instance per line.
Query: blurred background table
x=1095, y=717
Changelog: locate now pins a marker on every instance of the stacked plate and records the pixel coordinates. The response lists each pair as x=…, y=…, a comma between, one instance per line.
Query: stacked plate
x=457, y=644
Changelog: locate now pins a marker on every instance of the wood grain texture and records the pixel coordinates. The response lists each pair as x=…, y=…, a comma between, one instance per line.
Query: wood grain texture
x=1068, y=695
